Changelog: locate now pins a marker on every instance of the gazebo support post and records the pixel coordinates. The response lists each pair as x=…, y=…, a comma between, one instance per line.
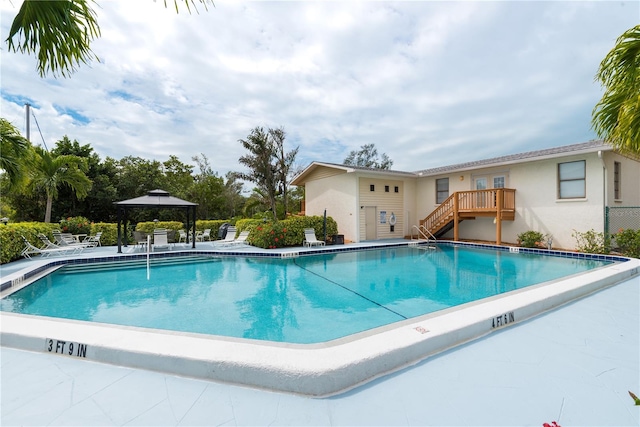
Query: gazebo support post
x=119, y=234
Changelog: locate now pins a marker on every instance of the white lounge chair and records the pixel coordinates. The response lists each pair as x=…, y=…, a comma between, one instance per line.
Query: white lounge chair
x=228, y=239
x=93, y=240
x=310, y=238
x=48, y=244
x=66, y=239
x=160, y=239
x=29, y=250
x=240, y=240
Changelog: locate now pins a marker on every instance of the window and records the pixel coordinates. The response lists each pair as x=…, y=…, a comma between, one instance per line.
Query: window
x=386, y=188
x=372, y=187
x=617, y=175
x=498, y=182
x=572, y=180
x=442, y=189
x=396, y=189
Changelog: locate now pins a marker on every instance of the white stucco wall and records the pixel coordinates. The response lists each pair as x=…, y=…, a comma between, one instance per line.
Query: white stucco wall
x=537, y=205
x=338, y=195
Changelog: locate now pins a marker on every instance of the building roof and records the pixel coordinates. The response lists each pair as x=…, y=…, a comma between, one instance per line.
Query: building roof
x=300, y=178
x=547, y=153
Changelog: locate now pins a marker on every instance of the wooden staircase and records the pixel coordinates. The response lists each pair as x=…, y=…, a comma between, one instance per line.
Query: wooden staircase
x=462, y=205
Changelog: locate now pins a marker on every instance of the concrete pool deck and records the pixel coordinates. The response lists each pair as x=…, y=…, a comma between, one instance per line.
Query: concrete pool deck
x=572, y=365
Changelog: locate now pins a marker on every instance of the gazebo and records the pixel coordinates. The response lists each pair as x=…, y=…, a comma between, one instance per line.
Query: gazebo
x=155, y=199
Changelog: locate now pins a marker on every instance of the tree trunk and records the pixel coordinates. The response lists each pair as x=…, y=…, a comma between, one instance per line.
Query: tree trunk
x=47, y=215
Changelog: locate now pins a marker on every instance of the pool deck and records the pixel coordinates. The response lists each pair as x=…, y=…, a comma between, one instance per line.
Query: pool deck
x=574, y=365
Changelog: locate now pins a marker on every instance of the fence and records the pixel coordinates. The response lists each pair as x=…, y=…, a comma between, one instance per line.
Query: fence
x=621, y=218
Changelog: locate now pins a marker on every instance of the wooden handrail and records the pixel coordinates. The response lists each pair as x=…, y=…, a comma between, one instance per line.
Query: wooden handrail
x=470, y=202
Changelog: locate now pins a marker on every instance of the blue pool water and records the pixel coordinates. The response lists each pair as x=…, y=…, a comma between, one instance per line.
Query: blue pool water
x=299, y=300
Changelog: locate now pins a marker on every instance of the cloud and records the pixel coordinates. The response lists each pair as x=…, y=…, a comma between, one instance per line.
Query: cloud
x=429, y=83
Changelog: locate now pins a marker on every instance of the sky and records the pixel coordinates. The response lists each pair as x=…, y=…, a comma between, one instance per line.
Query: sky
x=428, y=83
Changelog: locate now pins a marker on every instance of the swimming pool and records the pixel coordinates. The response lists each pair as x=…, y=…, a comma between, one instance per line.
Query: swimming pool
x=302, y=300
x=319, y=369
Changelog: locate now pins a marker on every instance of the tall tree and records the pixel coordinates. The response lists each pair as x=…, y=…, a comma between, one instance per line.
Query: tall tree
x=98, y=205
x=284, y=162
x=616, y=117
x=14, y=150
x=207, y=190
x=261, y=165
x=50, y=172
x=367, y=157
x=60, y=32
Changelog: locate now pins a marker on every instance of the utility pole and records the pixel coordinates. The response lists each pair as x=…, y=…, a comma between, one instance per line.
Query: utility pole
x=28, y=114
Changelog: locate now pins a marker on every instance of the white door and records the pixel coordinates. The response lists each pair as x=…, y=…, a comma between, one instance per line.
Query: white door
x=481, y=184
x=370, y=225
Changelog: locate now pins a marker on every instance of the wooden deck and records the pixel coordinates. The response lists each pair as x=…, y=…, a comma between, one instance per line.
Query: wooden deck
x=499, y=203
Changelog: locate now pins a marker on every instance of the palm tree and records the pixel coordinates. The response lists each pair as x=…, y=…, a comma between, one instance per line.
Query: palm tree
x=49, y=172
x=616, y=118
x=261, y=164
x=14, y=150
x=60, y=33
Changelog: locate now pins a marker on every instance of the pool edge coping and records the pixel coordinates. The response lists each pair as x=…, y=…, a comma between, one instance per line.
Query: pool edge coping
x=305, y=369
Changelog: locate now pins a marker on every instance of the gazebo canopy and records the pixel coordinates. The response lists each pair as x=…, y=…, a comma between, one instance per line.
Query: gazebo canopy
x=155, y=199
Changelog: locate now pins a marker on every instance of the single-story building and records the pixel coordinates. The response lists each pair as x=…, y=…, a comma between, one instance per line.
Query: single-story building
x=555, y=191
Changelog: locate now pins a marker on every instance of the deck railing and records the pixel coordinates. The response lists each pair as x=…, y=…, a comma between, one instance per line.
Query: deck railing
x=489, y=202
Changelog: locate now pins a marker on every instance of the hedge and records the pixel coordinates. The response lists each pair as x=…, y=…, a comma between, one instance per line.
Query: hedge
x=263, y=234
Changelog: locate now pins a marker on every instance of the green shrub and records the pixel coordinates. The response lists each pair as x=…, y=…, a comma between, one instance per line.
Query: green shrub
x=149, y=226
x=11, y=244
x=591, y=242
x=531, y=239
x=628, y=242
x=75, y=225
x=285, y=233
x=109, y=231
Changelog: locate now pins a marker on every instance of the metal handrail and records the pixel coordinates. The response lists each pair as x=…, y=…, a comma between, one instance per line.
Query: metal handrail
x=423, y=231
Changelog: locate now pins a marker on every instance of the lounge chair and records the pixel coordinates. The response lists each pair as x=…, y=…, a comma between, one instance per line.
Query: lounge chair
x=66, y=239
x=29, y=250
x=48, y=244
x=93, y=240
x=240, y=240
x=183, y=236
x=228, y=239
x=160, y=239
x=310, y=238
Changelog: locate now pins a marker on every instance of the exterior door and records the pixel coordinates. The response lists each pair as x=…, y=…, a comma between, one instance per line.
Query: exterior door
x=370, y=223
x=481, y=184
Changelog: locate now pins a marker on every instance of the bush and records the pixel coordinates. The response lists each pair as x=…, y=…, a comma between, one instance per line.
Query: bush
x=109, y=233
x=591, y=242
x=75, y=225
x=628, y=242
x=531, y=239
x=285, y=233
x=11, y=244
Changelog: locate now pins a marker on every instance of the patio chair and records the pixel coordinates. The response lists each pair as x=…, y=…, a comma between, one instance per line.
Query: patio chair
x=30, y=249
x=228, y=239
x=310, y=238
x=204, y=235
x=182, y=236
x=160, y=239
x=48, y=244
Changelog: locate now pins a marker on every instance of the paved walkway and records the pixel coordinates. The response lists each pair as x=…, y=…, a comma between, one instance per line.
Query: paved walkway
x=574, y=365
